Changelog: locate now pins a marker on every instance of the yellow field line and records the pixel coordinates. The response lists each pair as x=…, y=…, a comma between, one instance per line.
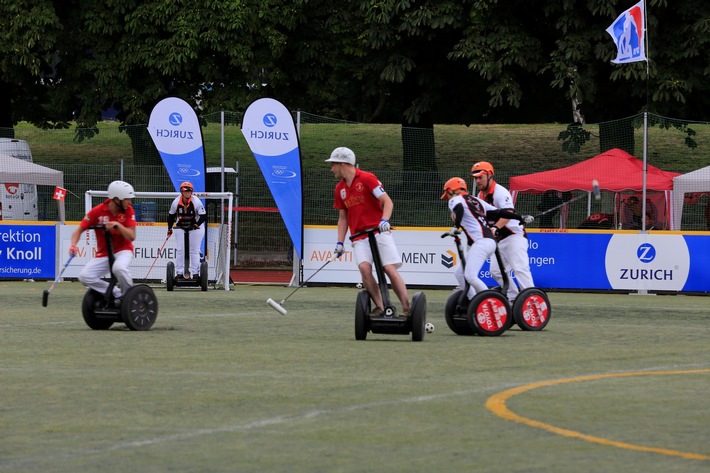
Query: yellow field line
x=496, y=404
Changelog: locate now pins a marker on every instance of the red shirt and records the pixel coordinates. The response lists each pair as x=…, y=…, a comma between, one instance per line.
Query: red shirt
x=100, y=215
x=364, y=209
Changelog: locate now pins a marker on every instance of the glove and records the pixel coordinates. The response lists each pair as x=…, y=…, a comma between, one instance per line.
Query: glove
x=528, y=219
x=73, y=250
x=454, y=231
x=339, y=250
x=170, y=232
x=384, y=226
x=196, y=227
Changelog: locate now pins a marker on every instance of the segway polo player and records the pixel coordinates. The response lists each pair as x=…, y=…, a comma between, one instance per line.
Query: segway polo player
x=188, y=214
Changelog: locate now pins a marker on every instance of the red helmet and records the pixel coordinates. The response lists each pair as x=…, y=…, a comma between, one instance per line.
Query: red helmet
x=186, y=186
x=454, y=184
x=480, y=168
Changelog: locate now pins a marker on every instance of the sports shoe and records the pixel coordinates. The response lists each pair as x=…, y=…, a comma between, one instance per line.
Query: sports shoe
x=377, y=312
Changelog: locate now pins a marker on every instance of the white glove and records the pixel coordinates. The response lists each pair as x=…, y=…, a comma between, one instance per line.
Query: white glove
x=339, y=250
x=454, y=231
x=384, y=226
x=528, y=219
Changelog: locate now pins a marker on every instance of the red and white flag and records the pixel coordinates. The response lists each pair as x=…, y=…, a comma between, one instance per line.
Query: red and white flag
x=60, y=193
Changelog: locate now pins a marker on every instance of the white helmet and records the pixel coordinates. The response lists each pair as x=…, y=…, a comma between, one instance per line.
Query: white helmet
x=342, y=155
x=120, y=189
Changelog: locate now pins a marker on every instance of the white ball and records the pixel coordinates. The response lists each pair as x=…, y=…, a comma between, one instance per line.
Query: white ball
x=358, y=285
x=429, y=327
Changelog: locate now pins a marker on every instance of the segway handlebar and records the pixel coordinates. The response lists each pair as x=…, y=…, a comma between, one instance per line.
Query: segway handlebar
x=364, y=232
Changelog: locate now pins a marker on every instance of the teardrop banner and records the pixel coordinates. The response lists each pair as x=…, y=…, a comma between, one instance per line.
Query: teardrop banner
x=177, y=135
x=270, y=131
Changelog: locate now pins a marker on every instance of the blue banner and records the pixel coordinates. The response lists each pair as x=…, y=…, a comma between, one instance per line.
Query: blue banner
x=27, y=251
x=177, y=135
x=271, y=134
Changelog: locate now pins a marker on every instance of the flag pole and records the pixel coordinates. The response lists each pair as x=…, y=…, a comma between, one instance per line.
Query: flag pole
x=645, y=123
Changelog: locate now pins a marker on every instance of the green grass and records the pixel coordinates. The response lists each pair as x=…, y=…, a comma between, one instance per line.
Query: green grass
x=515, y=149
x=224, y=383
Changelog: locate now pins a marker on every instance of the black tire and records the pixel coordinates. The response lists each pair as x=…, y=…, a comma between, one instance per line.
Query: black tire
x=362, y=315
x=139, y=308
x=488, y=313
x=532, y=309
x=204, y=275
x=456, y=320
x=418, y=316
x=170, y=276
x=92, y=299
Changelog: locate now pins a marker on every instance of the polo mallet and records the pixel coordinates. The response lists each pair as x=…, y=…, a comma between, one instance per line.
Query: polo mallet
x=157, y=256
x=595, y=190
x=278, y=307
x=45, y=294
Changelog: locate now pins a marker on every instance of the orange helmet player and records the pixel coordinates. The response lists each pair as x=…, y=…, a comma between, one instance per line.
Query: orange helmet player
x=452, y=185
x=482, y=167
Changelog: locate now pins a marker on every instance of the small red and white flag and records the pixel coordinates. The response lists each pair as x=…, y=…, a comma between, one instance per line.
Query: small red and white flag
x=60, y=193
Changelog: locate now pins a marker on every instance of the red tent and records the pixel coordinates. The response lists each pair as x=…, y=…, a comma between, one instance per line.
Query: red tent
x=615, y=170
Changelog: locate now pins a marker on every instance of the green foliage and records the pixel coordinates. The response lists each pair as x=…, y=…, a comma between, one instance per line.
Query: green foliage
x=574, y=137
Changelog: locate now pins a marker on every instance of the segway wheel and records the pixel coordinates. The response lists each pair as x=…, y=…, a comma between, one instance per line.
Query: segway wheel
x=139, y=308
x=204, y=274
x=455, y=318
x=170, y=276
x=362, y=315
x=488, y=313
x=418, y=316
x=93, y=299
x=532, y=309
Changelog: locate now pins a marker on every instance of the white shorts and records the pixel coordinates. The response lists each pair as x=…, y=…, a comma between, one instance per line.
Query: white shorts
x=385, y=245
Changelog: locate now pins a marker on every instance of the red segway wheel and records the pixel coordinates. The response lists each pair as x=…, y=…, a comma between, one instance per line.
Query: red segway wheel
x=489, y=313
x=532, y=309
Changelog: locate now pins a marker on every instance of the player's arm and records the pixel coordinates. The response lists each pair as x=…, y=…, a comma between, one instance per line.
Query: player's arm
x=387, y=206
x=200, y=211
x=457, y=214
x=500, y=215
x=129, y=233
x=342, y=224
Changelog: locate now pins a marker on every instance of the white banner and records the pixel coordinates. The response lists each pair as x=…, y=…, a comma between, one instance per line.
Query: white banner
x=149, y=239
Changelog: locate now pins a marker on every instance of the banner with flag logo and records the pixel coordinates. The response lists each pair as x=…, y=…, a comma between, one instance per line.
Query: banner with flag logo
x=629, y=34
x=271, y=134
x=60, y=193
x=177, y=135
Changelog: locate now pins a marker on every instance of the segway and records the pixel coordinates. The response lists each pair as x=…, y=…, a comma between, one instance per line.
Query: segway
x=187, y=280
x=487, y=314
x=389, y=322
x=137, y=308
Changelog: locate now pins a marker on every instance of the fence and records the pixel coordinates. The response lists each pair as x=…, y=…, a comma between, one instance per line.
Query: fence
x=412, y=163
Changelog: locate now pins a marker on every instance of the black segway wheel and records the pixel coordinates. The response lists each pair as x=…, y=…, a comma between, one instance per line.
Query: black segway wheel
x=92, y=300
x=488, y=313
x=139, y=308
x=532, y=309
x=362, y=315
x=418, y=316
x=204, y=274
x=455, y=316
x=170, y=275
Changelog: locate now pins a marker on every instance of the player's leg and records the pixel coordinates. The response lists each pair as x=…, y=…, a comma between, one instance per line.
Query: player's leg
x=519, y=261
x=121, y=270
x=196, y=237
x=477, y=254
x=391, y=261
x=91, y=274
x=179, y=251
x=363, y=259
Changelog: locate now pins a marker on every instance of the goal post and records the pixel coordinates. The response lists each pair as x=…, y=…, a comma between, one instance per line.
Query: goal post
x=153, y=249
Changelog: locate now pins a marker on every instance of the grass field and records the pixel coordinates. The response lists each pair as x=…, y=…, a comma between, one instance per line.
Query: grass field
x=224, y=383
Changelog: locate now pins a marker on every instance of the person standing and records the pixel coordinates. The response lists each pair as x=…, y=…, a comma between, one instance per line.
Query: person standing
x=118, y=216
x=188, y=214
x=363, y=204
x=510, y=234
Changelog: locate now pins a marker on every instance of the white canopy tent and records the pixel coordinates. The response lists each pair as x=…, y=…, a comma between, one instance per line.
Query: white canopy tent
x=14, y=170
x=694, y=181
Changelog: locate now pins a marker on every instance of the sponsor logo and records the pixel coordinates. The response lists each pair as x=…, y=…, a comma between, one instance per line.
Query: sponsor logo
x=448, y=259
x=175, y=119
x=270, y=120
x=283, y=173
x=12, y=188
x=647, y=262
x=188, y=171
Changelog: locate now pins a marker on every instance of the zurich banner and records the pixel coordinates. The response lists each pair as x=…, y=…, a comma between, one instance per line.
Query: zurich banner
x=176, y=132
x=271, y=134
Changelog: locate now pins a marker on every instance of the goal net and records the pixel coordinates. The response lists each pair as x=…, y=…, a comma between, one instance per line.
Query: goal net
x=154, y=250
